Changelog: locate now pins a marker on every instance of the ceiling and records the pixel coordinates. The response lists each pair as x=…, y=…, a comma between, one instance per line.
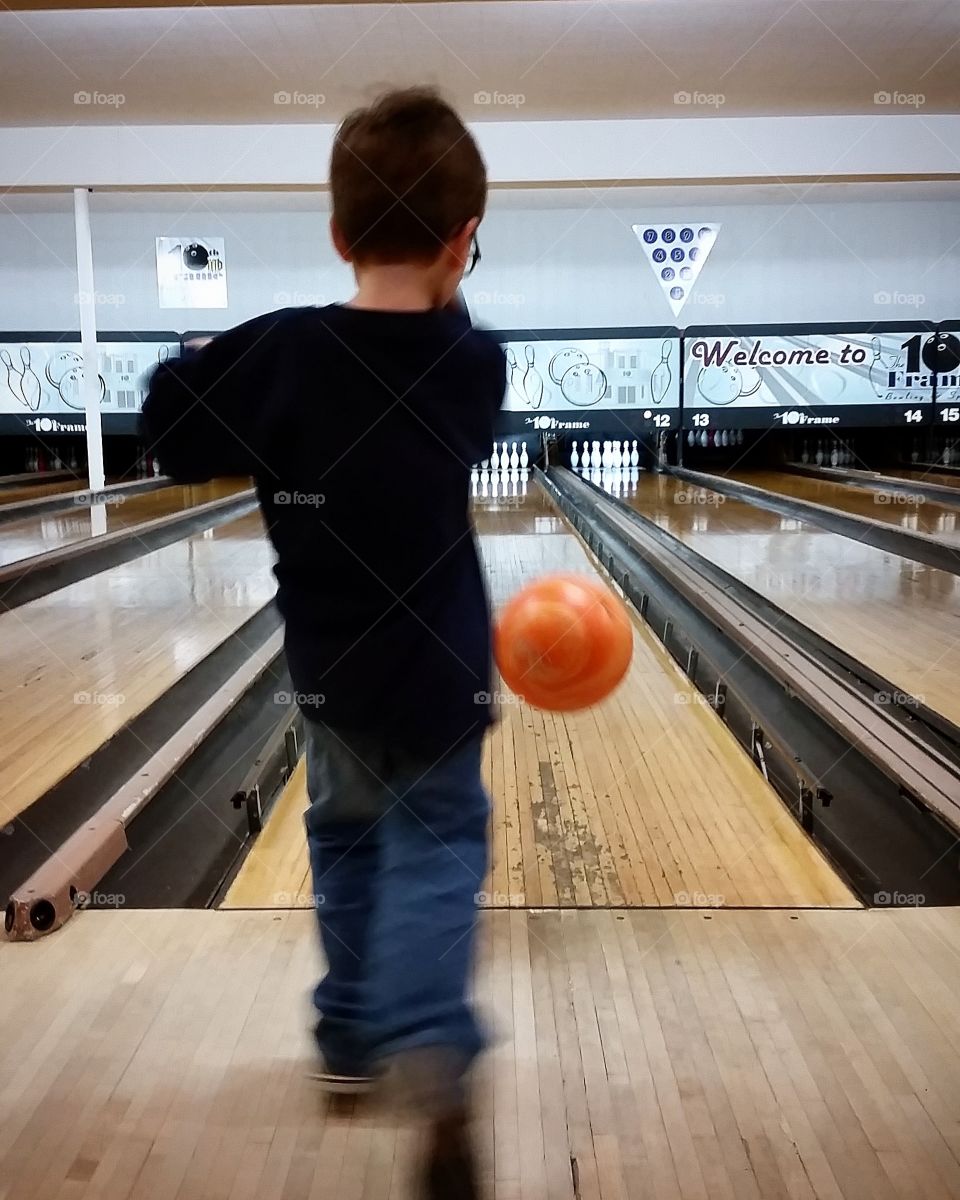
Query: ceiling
x=549, y=59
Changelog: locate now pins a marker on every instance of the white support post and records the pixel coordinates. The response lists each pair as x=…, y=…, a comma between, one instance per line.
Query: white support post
x=86, y=303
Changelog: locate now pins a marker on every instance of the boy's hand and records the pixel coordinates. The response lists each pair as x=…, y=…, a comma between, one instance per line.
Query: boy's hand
x=198, y=343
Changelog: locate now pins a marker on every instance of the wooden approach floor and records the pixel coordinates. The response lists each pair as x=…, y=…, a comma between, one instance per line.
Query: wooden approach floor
x=652, y=1055
x=646, y=799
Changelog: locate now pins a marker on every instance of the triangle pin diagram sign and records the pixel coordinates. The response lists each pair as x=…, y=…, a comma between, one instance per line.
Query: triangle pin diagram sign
x=677, y=254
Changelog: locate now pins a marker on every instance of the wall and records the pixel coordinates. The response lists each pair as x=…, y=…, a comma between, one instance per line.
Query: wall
x=571, y=261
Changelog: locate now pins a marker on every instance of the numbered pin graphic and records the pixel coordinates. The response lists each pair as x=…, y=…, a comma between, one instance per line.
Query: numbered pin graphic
x=677, y=254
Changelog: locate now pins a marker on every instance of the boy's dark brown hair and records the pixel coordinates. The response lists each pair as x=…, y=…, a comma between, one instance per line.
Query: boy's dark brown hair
x=405, y=176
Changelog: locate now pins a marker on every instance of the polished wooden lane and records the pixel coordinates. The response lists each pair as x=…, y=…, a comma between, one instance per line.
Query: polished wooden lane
x=913, y=514
x=53, y=530
x=36, y=491
x=896, y=616
x=646, y=1055
x=924, y=474
x=82, y=662
x=645, y=799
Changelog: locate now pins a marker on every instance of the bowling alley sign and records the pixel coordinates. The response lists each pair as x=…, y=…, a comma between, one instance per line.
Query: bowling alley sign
x=795, y=376
x=568, y=381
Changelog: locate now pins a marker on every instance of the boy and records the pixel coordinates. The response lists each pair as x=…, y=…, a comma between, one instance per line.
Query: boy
x=360, y=423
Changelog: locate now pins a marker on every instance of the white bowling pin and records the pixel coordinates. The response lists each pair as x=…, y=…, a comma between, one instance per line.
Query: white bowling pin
x=834, y=457
x=574, y=457
x=804, y=454
x=524, y=457
x=605, y=455
x=617, y=455
x=691, y=438
x=818, y=457
x=495, y=458
x=634, y=455
x=596, y=458
x=514, y=456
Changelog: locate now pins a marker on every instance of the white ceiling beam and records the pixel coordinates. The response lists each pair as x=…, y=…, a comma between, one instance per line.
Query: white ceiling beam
x=541, y=153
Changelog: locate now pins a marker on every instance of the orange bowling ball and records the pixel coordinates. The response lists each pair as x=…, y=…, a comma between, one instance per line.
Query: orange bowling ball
x=563, y=642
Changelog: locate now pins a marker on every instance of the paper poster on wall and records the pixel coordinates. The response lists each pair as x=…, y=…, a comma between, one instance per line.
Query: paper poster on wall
x=677, y=254
x=191, y=272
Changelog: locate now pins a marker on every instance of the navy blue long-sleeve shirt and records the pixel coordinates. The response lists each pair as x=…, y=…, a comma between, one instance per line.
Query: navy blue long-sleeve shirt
x=359, y=428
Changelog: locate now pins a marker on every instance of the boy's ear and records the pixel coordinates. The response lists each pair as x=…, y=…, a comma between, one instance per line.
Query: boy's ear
x=462, y=240
x=340, y=243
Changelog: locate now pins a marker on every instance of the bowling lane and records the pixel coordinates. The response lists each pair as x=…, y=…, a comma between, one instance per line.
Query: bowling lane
x=913, y=514
x=36, y=491
x=54, y=530
x=643, y=800
x=79, y=664
x=896, y=616
x=924, y=475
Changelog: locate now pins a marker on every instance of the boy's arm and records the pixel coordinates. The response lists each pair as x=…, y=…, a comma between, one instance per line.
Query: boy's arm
x=204, y=413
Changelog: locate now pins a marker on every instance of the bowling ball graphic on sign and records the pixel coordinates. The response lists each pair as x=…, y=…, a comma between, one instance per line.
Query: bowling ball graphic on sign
x=196, y=257
x=583, y=384
x=563, y=360
x=720, y=385
x=60, y=363
x=941, y=353
x=70, y=388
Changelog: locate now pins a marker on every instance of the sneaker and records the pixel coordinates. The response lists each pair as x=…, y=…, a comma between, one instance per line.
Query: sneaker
x=450, y=1170
x=339, y=1080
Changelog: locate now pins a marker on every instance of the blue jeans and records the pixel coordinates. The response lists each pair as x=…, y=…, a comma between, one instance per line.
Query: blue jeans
x=398, y=851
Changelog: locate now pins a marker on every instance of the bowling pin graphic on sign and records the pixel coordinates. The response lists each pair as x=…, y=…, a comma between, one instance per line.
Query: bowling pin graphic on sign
x=21, y=380
x=514, y=374
x=532, y=381
x=661, y=375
